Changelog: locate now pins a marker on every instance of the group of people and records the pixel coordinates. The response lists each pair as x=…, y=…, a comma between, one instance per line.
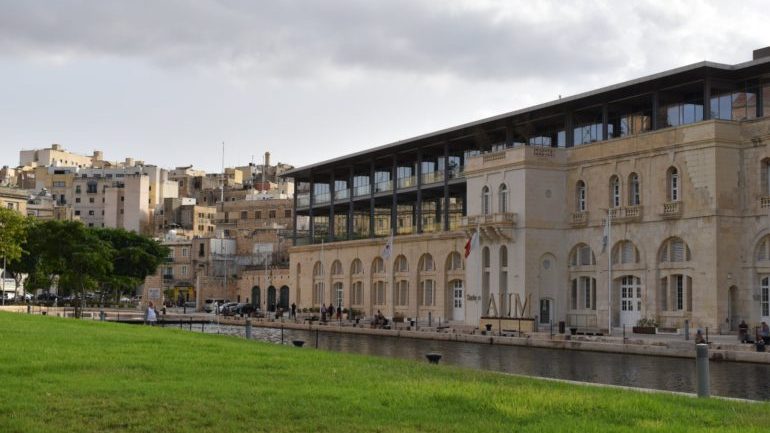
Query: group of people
x=330, y=310
x=378, y=321
x=763, y=332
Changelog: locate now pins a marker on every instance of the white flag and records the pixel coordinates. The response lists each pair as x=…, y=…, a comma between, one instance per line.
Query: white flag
x=388, y=250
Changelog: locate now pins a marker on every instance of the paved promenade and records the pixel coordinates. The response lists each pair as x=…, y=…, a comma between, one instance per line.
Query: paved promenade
x=721, y=347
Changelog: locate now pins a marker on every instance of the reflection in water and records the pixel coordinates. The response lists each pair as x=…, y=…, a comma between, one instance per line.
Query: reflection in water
x=732, y=379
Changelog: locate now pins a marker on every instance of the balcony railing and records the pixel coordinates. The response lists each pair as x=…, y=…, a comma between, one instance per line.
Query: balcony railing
x=168, y=276
x=432, y=177
x=500, y=218
x=626, y=213
x=383, y=186
x=579, y=218
x=303, y=200
x=341, y=194
x=764, y=202
x=407, y=182
x=672, y=209
x=323, y=198
x=362, y=190
x=456, y=172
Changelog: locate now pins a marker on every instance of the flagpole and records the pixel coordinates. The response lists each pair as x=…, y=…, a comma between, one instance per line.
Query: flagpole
x=609, y=272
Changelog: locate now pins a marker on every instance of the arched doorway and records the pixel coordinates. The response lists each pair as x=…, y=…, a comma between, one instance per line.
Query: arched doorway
x=271, y=298
x=256, y=297
x=284, y=298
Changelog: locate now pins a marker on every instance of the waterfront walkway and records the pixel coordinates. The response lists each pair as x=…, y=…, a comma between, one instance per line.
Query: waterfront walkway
x=722, y=347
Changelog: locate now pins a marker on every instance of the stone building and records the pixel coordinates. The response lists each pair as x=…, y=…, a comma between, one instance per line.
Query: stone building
x=676, y=162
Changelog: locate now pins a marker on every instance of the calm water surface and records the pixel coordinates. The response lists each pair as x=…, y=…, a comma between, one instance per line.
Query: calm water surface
x=730, y=379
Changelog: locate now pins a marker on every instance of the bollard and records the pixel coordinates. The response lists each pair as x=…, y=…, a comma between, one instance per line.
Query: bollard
x=433, y=358
x=29, y=308
x=190, y=323
x=702, y=369
x=248, y=329
x=687, y=330
x=281, y=331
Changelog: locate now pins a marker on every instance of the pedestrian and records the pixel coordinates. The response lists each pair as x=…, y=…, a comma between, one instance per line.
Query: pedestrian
x=150, y=315
x=331, y=311
x=764, y=333
x=699, y=338
x=339, y=313
x=294, y=310
x=743, y=332
x=323, y=313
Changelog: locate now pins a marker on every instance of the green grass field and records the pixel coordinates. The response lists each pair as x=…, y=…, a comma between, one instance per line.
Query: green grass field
x=64, y=375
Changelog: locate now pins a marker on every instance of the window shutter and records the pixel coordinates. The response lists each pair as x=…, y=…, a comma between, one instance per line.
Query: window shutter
x=628, y=252
x=677, y=250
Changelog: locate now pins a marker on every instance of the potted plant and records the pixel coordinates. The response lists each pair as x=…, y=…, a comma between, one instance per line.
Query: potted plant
x=645, y=325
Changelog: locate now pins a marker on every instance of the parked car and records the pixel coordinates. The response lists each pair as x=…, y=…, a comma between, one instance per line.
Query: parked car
x=47, y=297
x=26, y=297
x=228, y=309
x=244, y=309
x=208, y=304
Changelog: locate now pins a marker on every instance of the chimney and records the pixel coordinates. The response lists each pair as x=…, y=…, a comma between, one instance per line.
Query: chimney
x=761, y=53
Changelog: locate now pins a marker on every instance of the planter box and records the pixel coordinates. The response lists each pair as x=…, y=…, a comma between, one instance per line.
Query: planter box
x=643, y=329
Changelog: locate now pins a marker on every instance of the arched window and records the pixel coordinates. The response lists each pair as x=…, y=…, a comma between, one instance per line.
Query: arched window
x=336, y=268
x=763, y=249
x=357, y=267
x=673, y=183
x=426, y=263
x=580, y=196
x=674, y=250
x=634, y=192
x=582, y=256
x=378, y=266
x=614, y=192
x=486, y=205
x=318, y=270
x=401, y=265
x=454, y=262
x=502, y=198
x=625, y=252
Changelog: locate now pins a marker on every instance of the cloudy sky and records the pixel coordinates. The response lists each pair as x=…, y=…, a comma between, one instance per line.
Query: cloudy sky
x=167, y=81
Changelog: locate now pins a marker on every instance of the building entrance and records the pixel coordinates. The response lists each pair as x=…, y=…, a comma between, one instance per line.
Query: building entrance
x=630, y=300
x=458, y=310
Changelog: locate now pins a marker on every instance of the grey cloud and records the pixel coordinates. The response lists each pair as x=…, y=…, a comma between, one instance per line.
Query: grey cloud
x=296, y=37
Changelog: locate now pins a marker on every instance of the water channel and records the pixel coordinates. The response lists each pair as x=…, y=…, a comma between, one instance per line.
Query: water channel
x=729, y=379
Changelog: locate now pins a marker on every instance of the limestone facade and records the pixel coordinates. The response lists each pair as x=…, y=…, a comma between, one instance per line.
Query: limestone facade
x=689, y=227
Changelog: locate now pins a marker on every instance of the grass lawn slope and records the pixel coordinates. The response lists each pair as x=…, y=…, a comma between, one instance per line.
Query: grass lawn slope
x=64, y=375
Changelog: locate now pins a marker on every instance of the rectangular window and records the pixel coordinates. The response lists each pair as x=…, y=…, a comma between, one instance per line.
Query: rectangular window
x=679, y=288
x=244, y=215
x=271, y=214
x=287, y=213
x=586, y=288
x=664, y=294
x=765, y=297
x=77, y=199
x=574, y=295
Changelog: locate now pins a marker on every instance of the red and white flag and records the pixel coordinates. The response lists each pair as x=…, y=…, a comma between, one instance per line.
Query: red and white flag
x=472, y=243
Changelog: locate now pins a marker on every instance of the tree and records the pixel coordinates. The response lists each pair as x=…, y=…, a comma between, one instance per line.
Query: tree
x=136, y=257
x=12, y=237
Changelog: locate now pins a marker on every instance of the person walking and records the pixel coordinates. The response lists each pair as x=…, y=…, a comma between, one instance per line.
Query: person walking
x=294, y=311
x=151, y=315
x=323, y=313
